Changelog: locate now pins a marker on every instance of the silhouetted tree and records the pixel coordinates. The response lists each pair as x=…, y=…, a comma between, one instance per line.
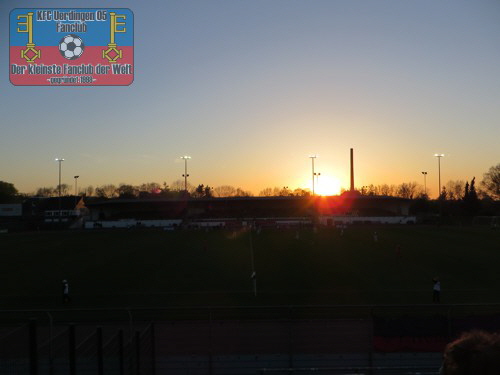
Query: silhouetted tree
x=202, y=191
x=64, y=189
x=88, y=191
x=455, y=189
x=242, y=193
x=267, y=192
x=8, y=192
x=46, y=192
x=224, y=191
x=407, y=190
x=491, y=182
x=371, y=189
x=53, y=191
x=470, y=201
x=150, y=187
x=106, y=191
x=301, y=192
x=127, y=191
x=285, y=192
x=178, y=185
x=444, y=194
x=388, y=190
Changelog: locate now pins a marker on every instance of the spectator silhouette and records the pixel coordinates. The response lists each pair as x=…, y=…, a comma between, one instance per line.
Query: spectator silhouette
x=474, y=353
x=65, y=291
x=436, y=290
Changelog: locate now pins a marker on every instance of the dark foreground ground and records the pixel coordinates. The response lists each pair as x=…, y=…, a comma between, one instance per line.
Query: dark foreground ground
x=322, y=302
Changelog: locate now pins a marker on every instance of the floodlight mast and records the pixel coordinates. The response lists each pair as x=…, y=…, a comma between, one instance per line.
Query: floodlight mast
x=59, y=160
x=185, y=175
x=76, y=185
x=312, y=157
x=439, y=156
x=425, y=183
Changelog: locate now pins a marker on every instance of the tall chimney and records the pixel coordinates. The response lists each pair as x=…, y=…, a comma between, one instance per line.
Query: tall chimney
x=352, y=169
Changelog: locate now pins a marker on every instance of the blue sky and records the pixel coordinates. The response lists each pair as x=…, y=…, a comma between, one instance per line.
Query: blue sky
x=251, y=88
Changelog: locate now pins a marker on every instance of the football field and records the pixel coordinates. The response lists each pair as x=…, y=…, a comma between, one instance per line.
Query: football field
x=362, y=265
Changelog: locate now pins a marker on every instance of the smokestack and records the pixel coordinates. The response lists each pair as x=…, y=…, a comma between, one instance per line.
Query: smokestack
x=352, y=169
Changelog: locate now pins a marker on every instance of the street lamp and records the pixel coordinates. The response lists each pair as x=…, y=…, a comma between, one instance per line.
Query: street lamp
x=76, y=185
x=59, y=160
x=185, y=175
x=425, y=183
x=439, y=156
x=313, y=174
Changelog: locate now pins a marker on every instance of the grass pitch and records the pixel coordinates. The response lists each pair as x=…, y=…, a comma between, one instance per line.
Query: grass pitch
x=152, y=268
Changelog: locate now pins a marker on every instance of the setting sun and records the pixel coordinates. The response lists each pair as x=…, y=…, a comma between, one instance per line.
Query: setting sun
x=325, y=185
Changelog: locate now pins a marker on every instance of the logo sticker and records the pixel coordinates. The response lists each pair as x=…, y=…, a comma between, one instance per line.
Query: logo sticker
x=71, y=47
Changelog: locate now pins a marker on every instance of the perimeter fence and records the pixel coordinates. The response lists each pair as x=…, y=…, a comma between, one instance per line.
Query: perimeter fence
x=390, y=339
x=76, y=349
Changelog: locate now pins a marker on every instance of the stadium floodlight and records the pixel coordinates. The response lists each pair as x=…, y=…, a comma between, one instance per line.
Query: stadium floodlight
x=312, y=157
x=425, y=183
x=59, y=160
x=185, y=175
x=76, y=185
x=439, y=156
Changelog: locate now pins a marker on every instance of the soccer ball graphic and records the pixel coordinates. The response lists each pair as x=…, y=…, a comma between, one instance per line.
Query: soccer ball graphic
x=71, y=47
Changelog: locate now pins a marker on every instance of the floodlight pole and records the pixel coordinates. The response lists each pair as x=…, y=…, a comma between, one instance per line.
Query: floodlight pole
x=59, y=160
x=425, y=183
x=313, y=174
x=439, y=156
x=185, y=175
x=254, y=274
x=76, y=185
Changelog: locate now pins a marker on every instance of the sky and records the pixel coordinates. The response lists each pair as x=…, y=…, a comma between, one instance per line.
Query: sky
x=251, y=88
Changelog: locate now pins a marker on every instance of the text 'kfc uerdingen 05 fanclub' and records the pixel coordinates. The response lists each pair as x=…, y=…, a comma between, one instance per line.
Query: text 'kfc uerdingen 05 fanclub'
x=71, y=47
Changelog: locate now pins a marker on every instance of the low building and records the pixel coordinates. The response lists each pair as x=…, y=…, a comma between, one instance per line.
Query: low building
x=55, y=211
x=11, y=215
x=11, y=210
x=224, y=212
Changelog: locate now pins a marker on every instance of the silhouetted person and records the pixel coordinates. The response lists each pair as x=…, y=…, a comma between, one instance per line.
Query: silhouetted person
x=474, y=353
x=436, y=290
x=65, y=291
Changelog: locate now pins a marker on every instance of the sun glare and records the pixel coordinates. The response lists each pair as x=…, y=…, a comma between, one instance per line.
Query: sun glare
x=325, y=185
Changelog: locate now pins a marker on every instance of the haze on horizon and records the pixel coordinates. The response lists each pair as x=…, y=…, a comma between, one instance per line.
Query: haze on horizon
x=250, y=89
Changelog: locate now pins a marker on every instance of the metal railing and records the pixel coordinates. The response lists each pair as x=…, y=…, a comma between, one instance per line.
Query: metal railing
x=122, y=341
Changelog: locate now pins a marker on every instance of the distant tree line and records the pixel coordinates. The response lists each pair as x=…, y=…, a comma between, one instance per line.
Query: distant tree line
x=147, y=190
x=454, y=190
x=408, y=190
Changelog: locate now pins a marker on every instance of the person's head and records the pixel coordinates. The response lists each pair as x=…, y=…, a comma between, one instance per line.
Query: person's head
x=474, y=353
